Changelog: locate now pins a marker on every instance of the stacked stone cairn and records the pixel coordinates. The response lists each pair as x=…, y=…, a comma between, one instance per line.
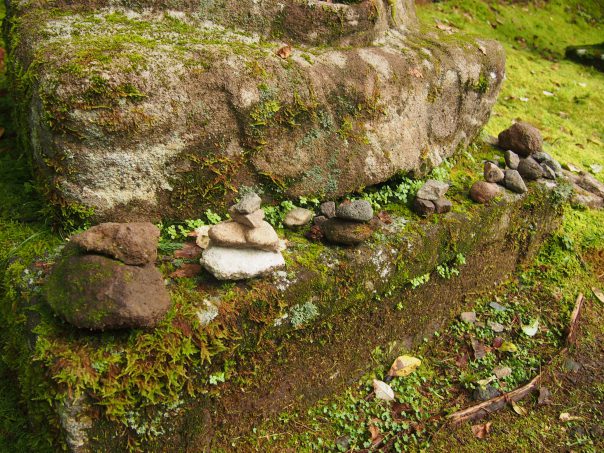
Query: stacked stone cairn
x=350, y=223
x=106, y=278
x=525, y=161
x=244, y=247
x=430, y=198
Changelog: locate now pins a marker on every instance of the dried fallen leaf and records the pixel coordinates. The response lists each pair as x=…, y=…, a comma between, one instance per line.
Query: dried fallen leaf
x=531, y=329
x=189, y=251
x=497, y=342
x=544, y=396
x=502, y=371
x=376, y=436
x=496, y=327
x=187, y=270
x=519, y=409
x=382, y=390
x=599, y=294
x=404, y=365
x=480, y=350
x=481, y=431
x=285, y=51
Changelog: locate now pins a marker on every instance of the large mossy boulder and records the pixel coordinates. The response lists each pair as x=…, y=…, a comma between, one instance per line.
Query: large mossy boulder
x=99, y=293
x=136, y=113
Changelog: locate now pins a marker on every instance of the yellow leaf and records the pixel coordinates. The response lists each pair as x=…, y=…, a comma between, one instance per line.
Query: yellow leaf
x=404, y=365
x=519, y=409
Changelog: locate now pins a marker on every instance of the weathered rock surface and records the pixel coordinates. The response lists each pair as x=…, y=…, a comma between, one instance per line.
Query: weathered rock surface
x=131, y=243
x=514, y=182
x=356, y=210
x=328, y=209
x=492, y=173
x=178, y=129
x=298, y=217
x=432, y=190
x=442, y=205
x=99, y=293
x=522, y=138
x=239, y=264
x=233, y=234
x=263, y=238
x=248, y=204
x=591, y=184
x=483, y=192
x=346, y=232
x=530, y=169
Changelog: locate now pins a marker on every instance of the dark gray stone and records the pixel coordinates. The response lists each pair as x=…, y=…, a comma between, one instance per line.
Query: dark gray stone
x=511, y=159
x=530, y=169
x=356, y=210
x=432, y=190
x=514, y=182
x=485, y=393
x=522, y=138
x=424, y=207
x=492, y=172
x=548, y=172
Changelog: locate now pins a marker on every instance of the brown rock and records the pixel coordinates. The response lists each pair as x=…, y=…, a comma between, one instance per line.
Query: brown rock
x=443, y=205
x=228, y=234
x=483, y=192
x=590, y=184
x=423, y=207
x=522, y=138
x=99, y=293
x=131, y=243
x=585, y=198
x=263, y=238
x=492, y=173
x=346, y=232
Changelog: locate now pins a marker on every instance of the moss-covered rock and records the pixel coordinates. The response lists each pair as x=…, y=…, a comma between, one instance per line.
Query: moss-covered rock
x=136, y=114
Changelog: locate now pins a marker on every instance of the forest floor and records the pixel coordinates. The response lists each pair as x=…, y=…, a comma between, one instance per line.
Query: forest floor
x=566, y=101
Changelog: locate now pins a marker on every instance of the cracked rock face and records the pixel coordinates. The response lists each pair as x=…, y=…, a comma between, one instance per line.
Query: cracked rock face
x=174, y=119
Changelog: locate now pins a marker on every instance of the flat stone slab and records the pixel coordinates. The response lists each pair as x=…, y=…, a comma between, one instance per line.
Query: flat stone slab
x=240, y=264
x=139, y=114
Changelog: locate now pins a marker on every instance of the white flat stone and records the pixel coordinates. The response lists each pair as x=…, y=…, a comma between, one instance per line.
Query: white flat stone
x=240, y=264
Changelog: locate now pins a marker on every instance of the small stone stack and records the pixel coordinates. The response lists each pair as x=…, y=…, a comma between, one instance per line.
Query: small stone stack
x=430, y=199
x=525, y=161
x=246, y=246
x=107, y=279
x=351, y=224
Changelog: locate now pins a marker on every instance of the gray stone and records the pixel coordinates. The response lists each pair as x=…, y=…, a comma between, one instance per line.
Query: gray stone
x=511, y=159
x=485, y=393
x=548, y=172
x=253, y=220
x=346, y=232
x=522, y=138
x=328, y=209
x=587, y=199
x=432, y=190
x=355, y=210
x=590, y=184
x=514, y=182
x=492, y=173
x=239, y=264
x=130, y=243
x=483, y=192
x=248, y=204
x=424, y=207
x=442, y=206
x=529, y=169
x=298, y=217
x=541, y=157
x=99, y=293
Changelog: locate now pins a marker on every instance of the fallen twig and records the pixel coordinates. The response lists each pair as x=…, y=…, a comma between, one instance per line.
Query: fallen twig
x=571, y=338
